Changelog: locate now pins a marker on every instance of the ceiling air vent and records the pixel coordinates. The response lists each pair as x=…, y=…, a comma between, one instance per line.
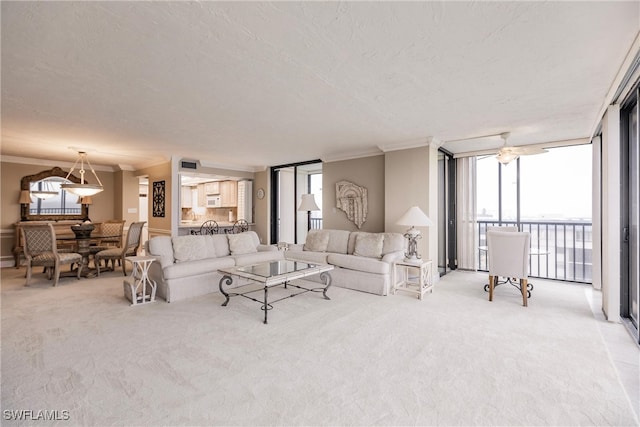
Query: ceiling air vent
x=188, y=165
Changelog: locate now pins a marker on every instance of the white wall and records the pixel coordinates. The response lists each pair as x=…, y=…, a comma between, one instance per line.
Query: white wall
x=411, y=179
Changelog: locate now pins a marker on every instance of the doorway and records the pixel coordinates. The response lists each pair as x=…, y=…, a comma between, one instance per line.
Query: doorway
x=143, y=207
x=288, y=184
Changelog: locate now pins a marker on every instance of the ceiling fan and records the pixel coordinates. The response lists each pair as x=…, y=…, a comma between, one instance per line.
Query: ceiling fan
x=509, y=153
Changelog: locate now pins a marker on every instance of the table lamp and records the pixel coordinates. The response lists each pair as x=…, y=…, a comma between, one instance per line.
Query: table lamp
x=413, y=217
x=308, y=204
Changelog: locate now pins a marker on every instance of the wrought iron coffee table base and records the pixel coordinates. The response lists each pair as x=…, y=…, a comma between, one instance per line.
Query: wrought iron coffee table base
x=515, y=283
x=266, y=304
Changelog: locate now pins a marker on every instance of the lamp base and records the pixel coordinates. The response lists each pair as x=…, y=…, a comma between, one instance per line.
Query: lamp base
x=411, y=255
x=413, y=260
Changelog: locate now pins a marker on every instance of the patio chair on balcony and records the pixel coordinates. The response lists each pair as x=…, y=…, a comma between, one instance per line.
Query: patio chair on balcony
x=508, y=253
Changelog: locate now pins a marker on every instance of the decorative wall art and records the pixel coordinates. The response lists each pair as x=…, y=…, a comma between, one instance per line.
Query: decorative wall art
x=158, y=198
x=352, y=199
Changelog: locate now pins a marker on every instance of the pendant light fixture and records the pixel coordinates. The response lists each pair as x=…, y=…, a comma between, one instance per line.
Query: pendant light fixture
x=83, y=189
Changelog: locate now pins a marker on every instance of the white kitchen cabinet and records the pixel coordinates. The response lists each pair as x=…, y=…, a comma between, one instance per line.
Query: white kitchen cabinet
x=186, y=198
x=212, y=187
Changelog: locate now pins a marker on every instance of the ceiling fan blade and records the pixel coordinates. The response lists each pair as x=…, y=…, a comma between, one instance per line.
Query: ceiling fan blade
x=528, y=151
x=522, y=151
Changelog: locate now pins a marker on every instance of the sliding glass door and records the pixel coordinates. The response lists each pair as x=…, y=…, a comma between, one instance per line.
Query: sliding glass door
x=447, y=254
x=630, y=286
x=288, y=184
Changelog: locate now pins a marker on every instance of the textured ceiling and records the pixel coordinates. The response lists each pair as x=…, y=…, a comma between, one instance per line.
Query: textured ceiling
x=257, y=84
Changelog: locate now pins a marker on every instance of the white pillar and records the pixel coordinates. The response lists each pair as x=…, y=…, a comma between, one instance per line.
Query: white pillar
x=611, y=213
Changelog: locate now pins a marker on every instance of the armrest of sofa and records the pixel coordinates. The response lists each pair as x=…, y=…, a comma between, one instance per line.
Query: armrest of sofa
x=393, y=256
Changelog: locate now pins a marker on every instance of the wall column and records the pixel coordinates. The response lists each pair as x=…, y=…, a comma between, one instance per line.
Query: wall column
x=611, y=213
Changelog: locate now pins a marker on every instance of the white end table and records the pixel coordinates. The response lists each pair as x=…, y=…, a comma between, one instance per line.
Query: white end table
x=419, y=283
x=143, y=289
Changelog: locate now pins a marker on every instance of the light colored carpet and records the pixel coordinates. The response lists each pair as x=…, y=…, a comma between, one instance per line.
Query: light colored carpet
x=359, y=359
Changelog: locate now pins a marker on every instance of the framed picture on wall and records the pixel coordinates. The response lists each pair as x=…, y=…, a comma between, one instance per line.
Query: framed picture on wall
x=158, y=198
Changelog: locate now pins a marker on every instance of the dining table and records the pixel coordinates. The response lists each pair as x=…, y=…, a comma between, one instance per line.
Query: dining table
x=83, y=247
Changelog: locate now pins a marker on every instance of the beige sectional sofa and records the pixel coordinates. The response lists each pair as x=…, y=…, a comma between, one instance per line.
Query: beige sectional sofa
x=362, y=261
x=188, y=266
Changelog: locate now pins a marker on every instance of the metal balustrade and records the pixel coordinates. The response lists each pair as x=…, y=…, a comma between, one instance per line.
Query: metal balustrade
x=561, y=250
x=54, y=211
x=316, y=223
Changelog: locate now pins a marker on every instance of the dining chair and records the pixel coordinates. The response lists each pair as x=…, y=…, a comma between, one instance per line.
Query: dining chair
x=130, y=248
x=114, y=230
x=40, y=249
x=508, y=254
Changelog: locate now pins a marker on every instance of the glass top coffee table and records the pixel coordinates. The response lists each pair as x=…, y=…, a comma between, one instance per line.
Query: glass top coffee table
x=274, y=273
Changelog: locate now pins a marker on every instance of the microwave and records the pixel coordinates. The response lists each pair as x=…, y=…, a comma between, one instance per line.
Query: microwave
x=214, y=201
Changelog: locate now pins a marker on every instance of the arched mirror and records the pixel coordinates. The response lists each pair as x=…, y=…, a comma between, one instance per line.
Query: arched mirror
x=49, y=202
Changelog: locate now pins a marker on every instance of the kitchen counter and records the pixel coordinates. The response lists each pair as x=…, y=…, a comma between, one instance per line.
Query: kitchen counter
x=185, y=227
x=192, y=224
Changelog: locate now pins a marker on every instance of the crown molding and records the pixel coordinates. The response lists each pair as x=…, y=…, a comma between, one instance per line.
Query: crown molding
x=414, y=143
x=50, y=163
x=351, y=156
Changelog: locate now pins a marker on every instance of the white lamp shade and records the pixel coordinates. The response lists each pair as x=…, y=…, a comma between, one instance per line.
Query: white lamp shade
x=82, y=190
x=415, y=217
x=308, y=203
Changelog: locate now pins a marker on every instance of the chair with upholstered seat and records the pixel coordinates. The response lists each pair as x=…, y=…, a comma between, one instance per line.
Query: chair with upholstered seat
x=113, y=232
x=130, y=248
x=40, y=249
x=508, y=253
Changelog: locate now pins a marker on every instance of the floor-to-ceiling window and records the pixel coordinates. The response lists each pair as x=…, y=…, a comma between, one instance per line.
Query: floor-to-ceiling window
x=548, y=195
x=630, y=260
x=288, y=184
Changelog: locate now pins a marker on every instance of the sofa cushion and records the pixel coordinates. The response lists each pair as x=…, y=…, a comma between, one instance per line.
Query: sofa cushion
x=241, y=243
x=308, y=256
x=220, y=243
x=194, y=268
x=189, y=248
x=338, y=241
x=358, y=263
x=317, y=241
x=369, y=245
x=393, y=242
x=162, y=247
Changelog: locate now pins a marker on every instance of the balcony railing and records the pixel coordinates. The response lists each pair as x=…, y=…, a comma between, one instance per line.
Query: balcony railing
x=55, y=211
x=563, y=249
x=316, y=223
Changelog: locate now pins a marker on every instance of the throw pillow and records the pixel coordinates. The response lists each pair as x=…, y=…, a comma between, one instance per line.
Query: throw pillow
x=188, y=248
x=317, y=241
x=369, y=245
x=241, y=243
